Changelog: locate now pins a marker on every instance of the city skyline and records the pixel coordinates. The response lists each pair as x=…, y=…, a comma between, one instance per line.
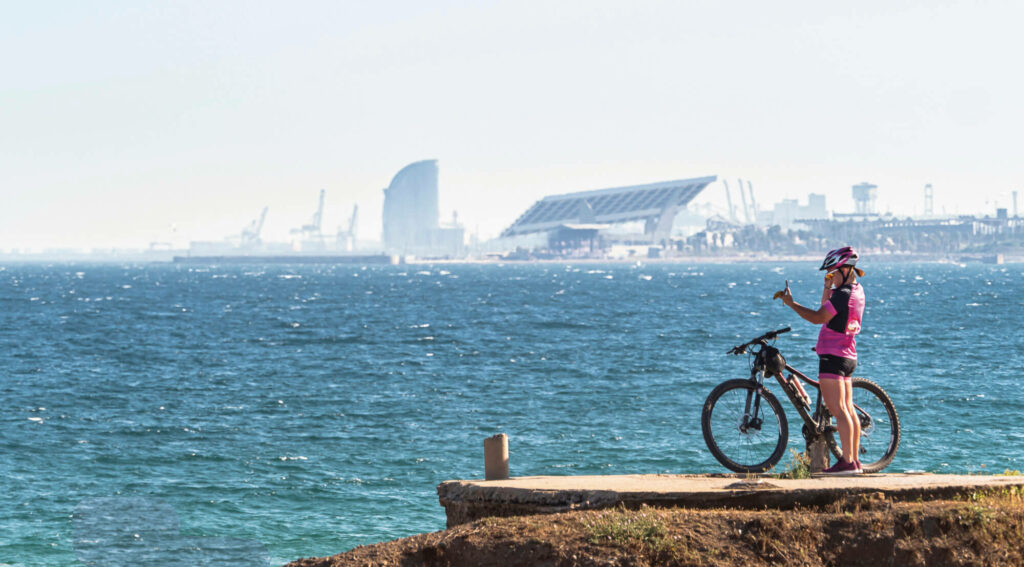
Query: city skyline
x=125, y=124
x=337, y=214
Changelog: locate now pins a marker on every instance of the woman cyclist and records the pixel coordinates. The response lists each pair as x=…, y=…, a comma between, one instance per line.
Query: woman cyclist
x=840, y=313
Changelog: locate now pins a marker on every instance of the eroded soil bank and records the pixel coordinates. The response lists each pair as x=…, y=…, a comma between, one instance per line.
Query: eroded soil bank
x=978, y=529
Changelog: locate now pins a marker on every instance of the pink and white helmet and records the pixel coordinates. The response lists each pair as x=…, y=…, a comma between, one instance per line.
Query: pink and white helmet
x=838, y=258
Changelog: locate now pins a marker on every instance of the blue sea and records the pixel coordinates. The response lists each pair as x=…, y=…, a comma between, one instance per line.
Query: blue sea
x=246, y=415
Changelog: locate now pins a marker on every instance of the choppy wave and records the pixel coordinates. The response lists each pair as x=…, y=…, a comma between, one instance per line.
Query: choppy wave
x=304, y=408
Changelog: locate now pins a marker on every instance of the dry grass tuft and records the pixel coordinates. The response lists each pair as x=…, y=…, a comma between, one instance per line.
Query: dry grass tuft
x=799, y=466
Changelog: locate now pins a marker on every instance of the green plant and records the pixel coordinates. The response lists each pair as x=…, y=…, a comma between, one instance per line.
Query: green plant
x=627, y=528
x=799, y=466
x=971, y=516
x=1008, y=493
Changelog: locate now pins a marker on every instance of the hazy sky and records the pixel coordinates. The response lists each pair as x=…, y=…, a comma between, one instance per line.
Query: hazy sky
x=123, y=123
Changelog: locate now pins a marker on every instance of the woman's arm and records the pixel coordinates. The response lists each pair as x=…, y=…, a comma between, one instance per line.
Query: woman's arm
x=819, y=317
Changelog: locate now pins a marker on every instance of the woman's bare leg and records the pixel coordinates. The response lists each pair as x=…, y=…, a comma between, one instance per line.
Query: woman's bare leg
x=834, y=392
x=854, y=420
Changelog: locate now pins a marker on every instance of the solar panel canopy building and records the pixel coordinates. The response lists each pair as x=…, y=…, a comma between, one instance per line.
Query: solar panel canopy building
x=657, y=204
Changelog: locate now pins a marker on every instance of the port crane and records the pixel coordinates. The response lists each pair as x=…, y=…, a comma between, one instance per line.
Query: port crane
x=749, y=211
x=312, y=231
x=753, y=203
x=728, y=200
x=743, y=198
x=347, y=237
x=251, y=234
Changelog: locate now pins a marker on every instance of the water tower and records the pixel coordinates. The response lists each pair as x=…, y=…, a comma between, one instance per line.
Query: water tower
x=864, y=198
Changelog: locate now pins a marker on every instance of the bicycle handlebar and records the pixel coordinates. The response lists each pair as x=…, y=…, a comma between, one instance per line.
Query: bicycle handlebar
x=740, y=349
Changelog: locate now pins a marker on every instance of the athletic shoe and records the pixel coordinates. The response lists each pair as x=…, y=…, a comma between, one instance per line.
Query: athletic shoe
x=842, y=468
x=856, y=462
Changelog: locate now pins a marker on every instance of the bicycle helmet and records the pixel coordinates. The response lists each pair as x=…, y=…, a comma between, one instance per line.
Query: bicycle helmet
x=838, y=258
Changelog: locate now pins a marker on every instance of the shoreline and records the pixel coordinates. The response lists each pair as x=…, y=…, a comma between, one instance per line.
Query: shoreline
x=376, y=259
x=735, y=259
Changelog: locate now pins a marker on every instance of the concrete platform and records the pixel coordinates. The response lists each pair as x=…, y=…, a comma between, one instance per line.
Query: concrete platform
x=468, y=500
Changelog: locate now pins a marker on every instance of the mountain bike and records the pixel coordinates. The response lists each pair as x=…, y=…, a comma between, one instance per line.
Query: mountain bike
x=746, y=428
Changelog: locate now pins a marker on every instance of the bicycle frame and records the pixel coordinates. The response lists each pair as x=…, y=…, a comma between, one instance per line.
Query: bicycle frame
x=757, y=373
x=820, y=424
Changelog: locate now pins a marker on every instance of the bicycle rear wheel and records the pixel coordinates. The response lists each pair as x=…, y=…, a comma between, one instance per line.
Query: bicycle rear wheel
x=879, y=424
x=745, y=431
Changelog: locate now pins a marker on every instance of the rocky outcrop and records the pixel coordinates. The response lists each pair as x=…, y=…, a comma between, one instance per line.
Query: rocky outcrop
x=982, y=529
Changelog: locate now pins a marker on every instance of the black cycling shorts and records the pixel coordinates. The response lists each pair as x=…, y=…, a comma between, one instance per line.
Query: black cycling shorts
x=835, y=367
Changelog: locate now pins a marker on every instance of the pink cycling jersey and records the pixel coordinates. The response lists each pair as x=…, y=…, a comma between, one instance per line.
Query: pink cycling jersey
x=838, y=336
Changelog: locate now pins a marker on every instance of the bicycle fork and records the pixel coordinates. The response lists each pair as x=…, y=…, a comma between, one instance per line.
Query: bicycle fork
x=751, y=416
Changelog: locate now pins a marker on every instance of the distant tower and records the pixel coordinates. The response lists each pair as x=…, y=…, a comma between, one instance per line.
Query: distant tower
x=411, y=209
x=864, y=196
x=1014, y=204
x=929, y=208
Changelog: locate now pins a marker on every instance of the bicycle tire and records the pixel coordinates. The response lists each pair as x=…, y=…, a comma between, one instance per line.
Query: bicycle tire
x=868, y=430
x=718, y=432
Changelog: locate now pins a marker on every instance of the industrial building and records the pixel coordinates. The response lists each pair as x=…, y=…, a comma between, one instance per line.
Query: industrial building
x=411, y=215
x=789, y=212
x=797, y=229
x=578, y=217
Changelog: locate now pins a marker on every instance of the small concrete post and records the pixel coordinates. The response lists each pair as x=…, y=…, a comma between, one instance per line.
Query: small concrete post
x=496, y=457
x=817, y=452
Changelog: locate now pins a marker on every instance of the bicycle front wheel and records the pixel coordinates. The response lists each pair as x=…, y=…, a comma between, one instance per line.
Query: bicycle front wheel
x=745, y=430
x=879, y=424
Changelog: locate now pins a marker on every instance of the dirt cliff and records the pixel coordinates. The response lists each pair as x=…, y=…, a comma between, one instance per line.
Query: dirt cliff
x=975, y=529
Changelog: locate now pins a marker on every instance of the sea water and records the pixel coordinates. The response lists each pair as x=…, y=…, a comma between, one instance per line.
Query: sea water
x=248, y=415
